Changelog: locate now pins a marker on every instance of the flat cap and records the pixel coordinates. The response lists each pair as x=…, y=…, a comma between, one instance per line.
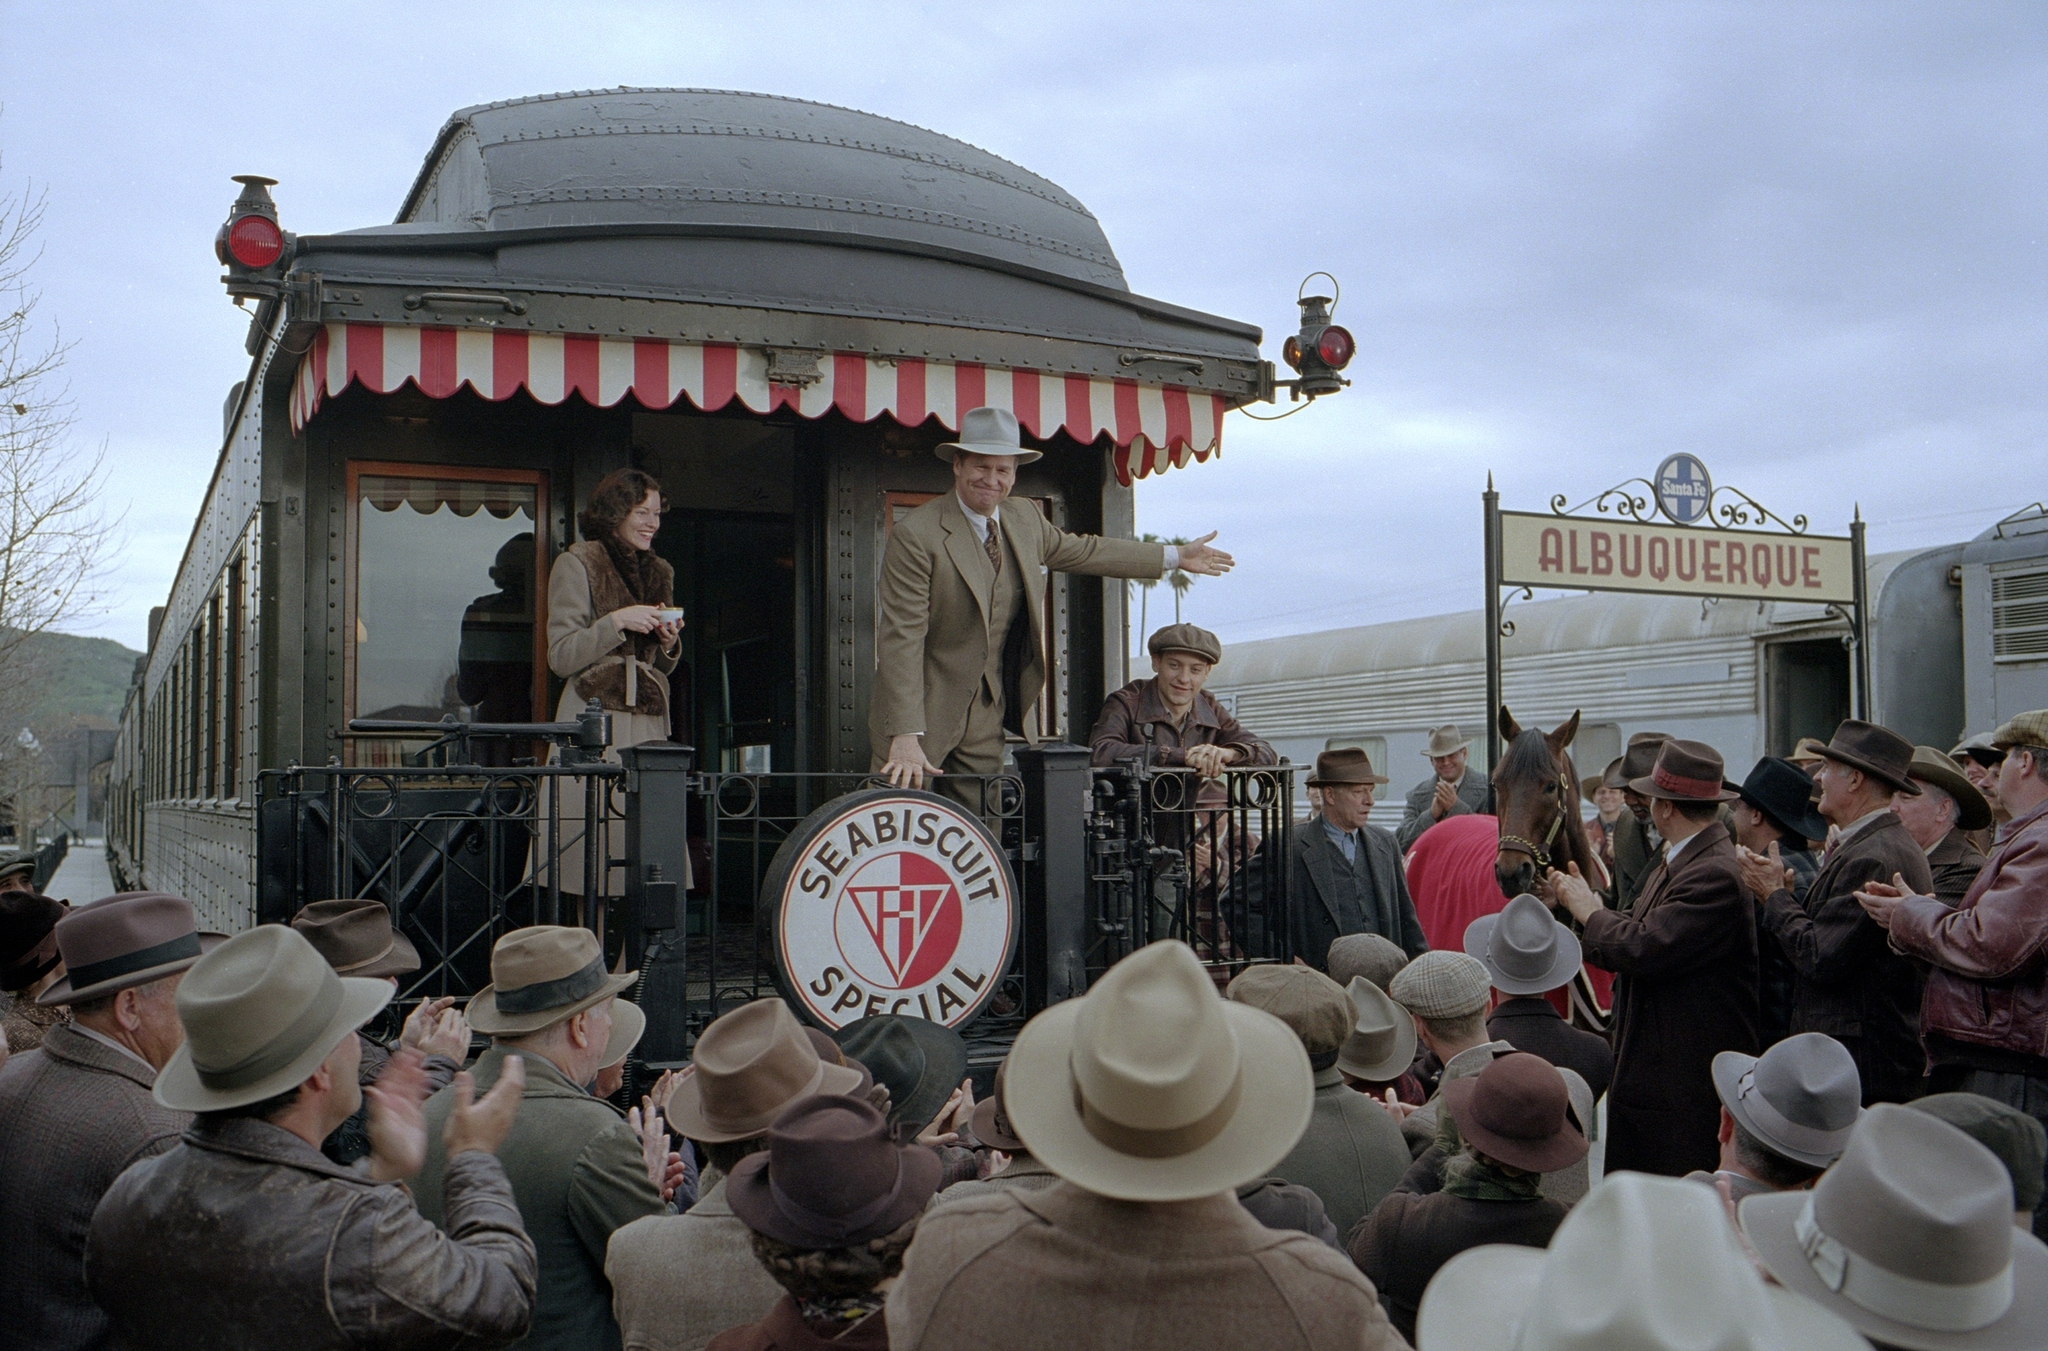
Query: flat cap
x=1368, y=955
x=2016, y=1138
x=2023, y=729
x=1186, y=638
x=1442, y=984
x=1302, y=997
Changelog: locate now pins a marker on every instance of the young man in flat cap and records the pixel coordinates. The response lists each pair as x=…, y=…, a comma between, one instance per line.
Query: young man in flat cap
x=1170, y=718
x=960, y=656
x=78, y=1111
x=1848, y=981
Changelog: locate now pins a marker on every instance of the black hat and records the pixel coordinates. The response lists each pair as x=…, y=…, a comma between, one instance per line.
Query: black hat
x=1780, y=790
x=28, y=938
x=919, y=1060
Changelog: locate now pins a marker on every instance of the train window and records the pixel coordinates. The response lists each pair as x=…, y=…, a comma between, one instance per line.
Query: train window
x=444, y=611
x=1597, y=746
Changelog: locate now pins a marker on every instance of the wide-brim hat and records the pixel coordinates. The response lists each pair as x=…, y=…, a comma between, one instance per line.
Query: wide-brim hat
x=1345, y=765
x=1609, y=777
x=1909, y=1237
x=1513, y=1111
x=1877, y=751
x=1686, y=771
x=1152, y=1087
x=1445, y=740
x=541, y=975
x=991, y=1123
x=1787, y=1097
x=261, y=1012
x=1381, y=1046
x=28, y=938
x=1931, y=766
x=124, y=940
x=831, y=1177
x=1639, y=757
x=988, y=431
x=1526, y=951
x=629, y=1024
x=1807, y=751
x=751, y=1064
x=356, y=938
x=829, y=1052
x=1642, y=1262
x=921, y=1061
x=1784, y=792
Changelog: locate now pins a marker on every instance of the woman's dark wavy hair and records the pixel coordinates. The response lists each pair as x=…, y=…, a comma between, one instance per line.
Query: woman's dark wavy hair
x=835, y=1273
x=613, y=500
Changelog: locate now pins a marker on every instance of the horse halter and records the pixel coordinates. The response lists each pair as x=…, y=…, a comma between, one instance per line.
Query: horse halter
x=1539, y=853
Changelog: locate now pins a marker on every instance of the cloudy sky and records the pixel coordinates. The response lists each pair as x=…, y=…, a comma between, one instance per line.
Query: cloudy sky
x=1802, y=241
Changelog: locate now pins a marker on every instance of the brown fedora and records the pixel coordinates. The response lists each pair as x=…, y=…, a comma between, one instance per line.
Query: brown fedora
x=356, y=938
x=1639, y=758
x=750, y=1065
x=991, y=1123
x=1609, y=777
x=1347, y=764
x=1877, y=751
x=28, y=938
x=1686, y=771
x=541, y=975
x=1513, y=1110
x=831, y=1177
x=1931, y=766
x=829, y=1052
x=125, y=940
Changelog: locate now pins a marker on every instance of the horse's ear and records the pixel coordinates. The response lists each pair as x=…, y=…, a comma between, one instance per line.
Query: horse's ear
x=1566, y=734
x=1509, y=728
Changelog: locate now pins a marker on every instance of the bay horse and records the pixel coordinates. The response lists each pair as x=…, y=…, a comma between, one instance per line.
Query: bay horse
x=1537, y=800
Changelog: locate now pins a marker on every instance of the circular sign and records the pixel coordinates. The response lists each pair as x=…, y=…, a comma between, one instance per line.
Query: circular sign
x=1683, y=489
x=891, y=901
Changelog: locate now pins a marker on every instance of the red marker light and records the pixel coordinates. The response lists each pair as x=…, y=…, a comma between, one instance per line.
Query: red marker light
x=255, y=241
x=1335, y=347
x=1290, y=352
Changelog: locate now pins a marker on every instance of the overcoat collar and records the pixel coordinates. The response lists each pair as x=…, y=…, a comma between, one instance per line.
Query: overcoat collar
x=66, y=1043
x=1206, y=1227
x=544, y=1079
x=1660, y=876
x=1318, y=852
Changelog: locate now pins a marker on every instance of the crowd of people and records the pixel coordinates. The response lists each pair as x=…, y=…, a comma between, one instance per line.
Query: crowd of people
x=1816, y=1119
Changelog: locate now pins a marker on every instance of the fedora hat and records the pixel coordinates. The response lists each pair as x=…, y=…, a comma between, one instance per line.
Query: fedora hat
x=28, y=938
x=1609, y=777
x=1931, y=766
x=921, y=1061
x=541, y=975
x=829, y=1052
x=1686, y=771
x=1642, y=1263
x=261, y=1012
x=1513, y=1111
x=356, y=938
x=1877, y=751
x=1186, y=638
x=831, y=1177
x=1783, y=791
x=1381, y=1045
x=1800, y=1098
x=1305, y=999
x=629, y=1024
x=750, y=1064
x=1446, y=740
x=1909, y=1236
x=1152, y=1087
x=1807, y=751
x=991, y=1123
x=128, y=939
x=988, y=431
x=1346, y=764
x=1639, y=757
x=1525, y=950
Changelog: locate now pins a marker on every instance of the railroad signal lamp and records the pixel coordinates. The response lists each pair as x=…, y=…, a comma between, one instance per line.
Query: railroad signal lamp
x=1320, y=350
x=251, y=245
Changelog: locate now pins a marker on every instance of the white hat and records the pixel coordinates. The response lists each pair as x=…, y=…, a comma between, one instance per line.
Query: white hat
x=1644, y=1263
x=1152, y=1087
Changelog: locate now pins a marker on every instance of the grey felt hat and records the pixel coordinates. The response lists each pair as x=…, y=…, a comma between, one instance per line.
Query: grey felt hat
x=988, y=431
x=1801, y=1098
x=1381, y=1046
x=1524, y=949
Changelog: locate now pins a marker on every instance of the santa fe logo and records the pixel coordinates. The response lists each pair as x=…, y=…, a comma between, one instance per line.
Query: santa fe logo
x=891, y=902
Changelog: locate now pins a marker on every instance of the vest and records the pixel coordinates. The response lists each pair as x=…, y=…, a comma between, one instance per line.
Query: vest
x=1356, y=912
x=1009, y=616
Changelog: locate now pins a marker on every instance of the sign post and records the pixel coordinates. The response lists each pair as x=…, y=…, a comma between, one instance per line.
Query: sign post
x=1494, y=695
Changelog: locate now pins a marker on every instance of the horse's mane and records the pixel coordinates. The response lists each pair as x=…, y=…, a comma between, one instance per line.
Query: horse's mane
x=1526, y=757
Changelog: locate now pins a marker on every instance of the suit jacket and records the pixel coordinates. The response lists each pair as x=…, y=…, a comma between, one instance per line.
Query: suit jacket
x=1313, y=858
x=1533, y=1024
x=680, y=1280
x=1953, y=864
x=1849, y=983
x=1415, y=817
x=73, y=1115
x=1684, y=959
x=937, y=590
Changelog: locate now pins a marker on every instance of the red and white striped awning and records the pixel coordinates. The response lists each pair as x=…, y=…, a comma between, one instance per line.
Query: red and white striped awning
x=1155, y=427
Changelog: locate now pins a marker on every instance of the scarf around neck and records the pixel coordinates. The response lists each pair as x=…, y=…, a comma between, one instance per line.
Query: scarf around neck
x=1476, y=1180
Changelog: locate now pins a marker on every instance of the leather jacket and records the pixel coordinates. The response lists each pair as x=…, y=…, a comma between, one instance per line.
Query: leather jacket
x=1989, y=986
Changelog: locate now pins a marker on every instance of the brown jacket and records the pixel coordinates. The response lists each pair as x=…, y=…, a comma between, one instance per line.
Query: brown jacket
x=1134, y=720
x=1408, y=1238
x=1849, y=982
x=1684, y=959
x=1953, y=864
x=1052, y=1270
x=73, y=1115
x=933, y=644
x=1989, y=986
x=246, y=1236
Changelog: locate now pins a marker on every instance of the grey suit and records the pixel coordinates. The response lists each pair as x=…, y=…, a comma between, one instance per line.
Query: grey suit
x=1317, y=872
x=1416, y=818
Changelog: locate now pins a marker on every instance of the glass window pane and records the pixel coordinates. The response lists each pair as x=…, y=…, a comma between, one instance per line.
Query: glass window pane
x=444, y=599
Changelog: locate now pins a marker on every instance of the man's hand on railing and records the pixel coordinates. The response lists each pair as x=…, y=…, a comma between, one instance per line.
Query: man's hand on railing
x=1210, y=761
x=907, y=767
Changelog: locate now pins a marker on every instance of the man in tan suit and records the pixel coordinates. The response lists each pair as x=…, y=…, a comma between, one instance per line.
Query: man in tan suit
x=963, y=594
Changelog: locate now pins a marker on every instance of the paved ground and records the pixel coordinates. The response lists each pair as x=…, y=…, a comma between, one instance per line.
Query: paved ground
x=83, y=876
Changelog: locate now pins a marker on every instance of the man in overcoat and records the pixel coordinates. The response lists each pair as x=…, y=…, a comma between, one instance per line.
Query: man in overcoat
x=1942, y=819
x=1344, y=872
x=960, y=651
x=1684, y=958
x=1848, y=981
x=1453, y=788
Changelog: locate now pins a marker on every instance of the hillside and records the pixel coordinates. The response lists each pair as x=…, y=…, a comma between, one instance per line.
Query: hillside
x=65, y=680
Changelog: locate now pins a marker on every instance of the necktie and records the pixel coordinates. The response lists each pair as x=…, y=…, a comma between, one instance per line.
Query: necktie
x=995, y=550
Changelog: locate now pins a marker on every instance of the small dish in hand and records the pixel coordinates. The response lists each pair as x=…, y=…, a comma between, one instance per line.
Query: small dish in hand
x=669, y=614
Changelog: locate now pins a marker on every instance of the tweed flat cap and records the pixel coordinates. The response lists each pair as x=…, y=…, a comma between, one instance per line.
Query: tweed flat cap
x=2016, y=1138
x=1302, y=997
x=1442, y=985
x=1368, y=955
x=1186, y=638
x=2026, y=729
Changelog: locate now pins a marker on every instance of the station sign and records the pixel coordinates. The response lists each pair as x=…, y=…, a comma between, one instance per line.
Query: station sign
x=1591, y=554
x=891, y=901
